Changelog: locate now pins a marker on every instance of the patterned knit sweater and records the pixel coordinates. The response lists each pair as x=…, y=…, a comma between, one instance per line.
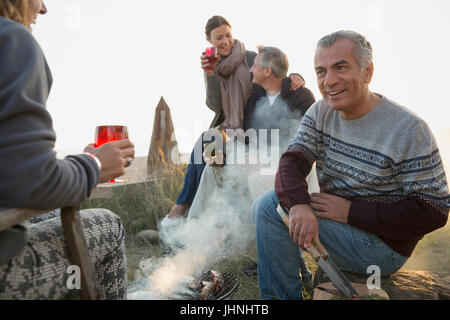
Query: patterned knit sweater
x=386, y=163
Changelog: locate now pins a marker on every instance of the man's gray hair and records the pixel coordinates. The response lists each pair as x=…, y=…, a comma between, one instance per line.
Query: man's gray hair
x=276, y=59
x=362, y=48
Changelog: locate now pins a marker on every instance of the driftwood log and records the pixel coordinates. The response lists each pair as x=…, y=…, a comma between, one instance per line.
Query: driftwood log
x=404, y=284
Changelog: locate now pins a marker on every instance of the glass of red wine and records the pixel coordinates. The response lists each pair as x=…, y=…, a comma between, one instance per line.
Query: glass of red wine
x=212, y=56
x=105, y=134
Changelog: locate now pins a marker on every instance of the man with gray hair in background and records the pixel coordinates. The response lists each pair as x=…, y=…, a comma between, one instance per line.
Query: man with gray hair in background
x=383, y=185
x=273, y=111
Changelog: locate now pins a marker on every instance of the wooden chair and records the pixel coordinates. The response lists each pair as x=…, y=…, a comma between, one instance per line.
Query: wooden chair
x=73, y=232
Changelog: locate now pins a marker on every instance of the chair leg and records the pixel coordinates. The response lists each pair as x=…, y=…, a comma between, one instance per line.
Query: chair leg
x=79, y=255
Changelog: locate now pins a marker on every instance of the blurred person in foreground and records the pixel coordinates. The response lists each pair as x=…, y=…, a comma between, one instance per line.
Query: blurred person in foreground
x=34, y=256
x=382, y=181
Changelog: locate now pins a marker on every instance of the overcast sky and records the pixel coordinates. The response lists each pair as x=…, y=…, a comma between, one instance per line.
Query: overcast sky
x=112, y=60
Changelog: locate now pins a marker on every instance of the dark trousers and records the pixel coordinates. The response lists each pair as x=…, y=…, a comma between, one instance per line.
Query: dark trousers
x=191, y=182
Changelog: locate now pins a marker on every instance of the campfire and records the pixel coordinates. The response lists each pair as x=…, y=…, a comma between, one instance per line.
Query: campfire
x=196, y=246
x=180, y=277
x=211, y=285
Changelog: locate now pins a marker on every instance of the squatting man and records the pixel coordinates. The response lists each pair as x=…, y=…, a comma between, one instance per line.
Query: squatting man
x=382, y=181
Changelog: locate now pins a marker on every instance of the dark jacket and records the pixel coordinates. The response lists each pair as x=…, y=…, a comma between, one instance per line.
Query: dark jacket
x=297, y=101
x=30, y=174
x=285, y=113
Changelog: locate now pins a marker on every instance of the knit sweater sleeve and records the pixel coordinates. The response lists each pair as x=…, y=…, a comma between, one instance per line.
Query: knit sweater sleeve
x=420, y=174
x=410, y=218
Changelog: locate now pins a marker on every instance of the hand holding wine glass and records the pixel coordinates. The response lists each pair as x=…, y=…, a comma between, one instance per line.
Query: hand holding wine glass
x=114, y=150
x=209, y=60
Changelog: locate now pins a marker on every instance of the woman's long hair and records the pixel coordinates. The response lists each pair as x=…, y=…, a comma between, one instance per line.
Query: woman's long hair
x=15, y=10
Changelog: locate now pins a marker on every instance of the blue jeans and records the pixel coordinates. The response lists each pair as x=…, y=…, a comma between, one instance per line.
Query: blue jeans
x=279, y=260
x=191, y=181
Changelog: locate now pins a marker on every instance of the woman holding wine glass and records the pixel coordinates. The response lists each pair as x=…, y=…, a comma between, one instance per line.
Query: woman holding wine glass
x=34, y=258
x=228, y=88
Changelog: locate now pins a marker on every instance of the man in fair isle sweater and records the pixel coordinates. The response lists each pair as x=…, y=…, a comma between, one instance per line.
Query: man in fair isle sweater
x=383, y=186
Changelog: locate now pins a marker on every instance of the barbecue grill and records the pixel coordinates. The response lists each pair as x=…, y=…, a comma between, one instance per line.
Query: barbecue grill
x=138, y=290
x=230, y=285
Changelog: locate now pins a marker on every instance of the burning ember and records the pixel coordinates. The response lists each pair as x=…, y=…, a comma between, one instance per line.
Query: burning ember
x=210, y=287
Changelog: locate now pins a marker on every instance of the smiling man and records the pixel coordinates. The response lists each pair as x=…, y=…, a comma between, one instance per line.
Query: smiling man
x=343, y=82
x=383, y=186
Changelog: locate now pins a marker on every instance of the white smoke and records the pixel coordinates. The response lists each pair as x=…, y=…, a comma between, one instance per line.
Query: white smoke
x=218, y=224
x=222, y=229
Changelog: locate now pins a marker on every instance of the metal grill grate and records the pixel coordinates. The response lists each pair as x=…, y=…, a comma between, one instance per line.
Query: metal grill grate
x=230, y=285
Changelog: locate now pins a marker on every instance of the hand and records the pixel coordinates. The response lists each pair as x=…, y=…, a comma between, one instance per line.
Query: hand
x=303, y=225
x=217, y=161
x=113, y=157
x=330, y=207
x=206, y=66
x=297, y=82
